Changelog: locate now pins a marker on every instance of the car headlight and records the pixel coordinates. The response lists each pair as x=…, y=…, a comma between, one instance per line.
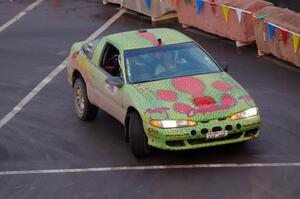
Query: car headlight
x=165, y=124
x=245, y=114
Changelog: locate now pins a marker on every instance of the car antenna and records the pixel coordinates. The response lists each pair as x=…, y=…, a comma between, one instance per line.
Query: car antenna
x=159, y=41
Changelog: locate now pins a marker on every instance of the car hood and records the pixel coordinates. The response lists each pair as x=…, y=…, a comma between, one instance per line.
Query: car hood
x=200, y=97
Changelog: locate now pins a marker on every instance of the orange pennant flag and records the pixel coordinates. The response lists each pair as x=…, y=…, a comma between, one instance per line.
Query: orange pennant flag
x=172, y=3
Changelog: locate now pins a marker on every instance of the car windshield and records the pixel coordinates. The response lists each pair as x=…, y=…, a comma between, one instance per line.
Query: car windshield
x=170, y=61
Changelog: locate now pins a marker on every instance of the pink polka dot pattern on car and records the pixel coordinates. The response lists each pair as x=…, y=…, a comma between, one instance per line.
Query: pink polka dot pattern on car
x=203, y=101
x=166, y=95
x=222, y=86
x=189, y=85
x=183, y=108
x=228, y=100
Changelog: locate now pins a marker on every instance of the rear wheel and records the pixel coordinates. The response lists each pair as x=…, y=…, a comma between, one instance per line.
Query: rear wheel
x=84, y=109
x=137, y=137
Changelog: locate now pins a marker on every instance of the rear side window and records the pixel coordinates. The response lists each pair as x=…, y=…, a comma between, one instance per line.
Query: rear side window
x=89, y=48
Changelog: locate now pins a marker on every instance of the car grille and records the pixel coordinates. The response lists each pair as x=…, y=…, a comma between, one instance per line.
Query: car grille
x=176, y=143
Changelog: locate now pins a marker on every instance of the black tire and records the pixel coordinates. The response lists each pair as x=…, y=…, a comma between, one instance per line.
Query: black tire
x=137, y=137
x=87, y=111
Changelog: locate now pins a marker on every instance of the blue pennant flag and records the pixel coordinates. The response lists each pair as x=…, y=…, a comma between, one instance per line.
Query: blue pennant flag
x=148, y=4
x=271, y=30
x=199, y=4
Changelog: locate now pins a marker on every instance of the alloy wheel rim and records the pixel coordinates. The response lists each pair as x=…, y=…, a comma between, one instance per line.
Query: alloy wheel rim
x=79, y=100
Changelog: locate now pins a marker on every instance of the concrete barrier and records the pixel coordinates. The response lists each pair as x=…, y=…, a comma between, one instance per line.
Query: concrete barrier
x=156, y=9
x=232, y=19
x=277, y=32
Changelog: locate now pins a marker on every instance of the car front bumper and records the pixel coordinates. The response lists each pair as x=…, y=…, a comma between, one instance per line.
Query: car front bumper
x=193, y=137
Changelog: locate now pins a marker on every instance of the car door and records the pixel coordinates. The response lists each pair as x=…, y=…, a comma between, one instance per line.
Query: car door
x=105, y=96
x=88, y=50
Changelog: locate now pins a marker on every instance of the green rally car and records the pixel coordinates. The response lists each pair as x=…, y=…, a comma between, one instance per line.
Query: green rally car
x=165, y=89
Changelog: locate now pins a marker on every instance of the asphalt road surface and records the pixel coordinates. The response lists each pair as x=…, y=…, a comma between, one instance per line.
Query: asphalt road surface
x=46, y=136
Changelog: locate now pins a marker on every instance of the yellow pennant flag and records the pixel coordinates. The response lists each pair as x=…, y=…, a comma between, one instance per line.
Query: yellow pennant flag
x=296, y=39
x=226, y=12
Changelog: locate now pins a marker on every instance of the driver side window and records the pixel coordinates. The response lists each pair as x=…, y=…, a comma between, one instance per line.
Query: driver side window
x=110, y=60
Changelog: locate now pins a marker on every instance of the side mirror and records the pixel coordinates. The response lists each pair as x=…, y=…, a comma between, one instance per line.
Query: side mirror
x=115, y=81
x=224, y=66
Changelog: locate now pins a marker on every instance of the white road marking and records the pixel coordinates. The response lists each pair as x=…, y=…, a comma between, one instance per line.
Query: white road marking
x=20, y=15
x=54, y=73
x=153, y=167
x=107, y=24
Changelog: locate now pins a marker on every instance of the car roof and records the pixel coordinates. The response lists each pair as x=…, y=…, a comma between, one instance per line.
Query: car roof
x=147, y=38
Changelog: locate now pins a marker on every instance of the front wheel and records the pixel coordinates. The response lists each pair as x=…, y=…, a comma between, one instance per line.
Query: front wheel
x=84, y=109
x=137, y=137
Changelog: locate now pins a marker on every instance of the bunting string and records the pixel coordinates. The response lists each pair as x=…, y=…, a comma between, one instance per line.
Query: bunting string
x=271, y=26
x=245, y=11
x=238, y=10
x=215, y=3
x=281, y=28
x=284, y=31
